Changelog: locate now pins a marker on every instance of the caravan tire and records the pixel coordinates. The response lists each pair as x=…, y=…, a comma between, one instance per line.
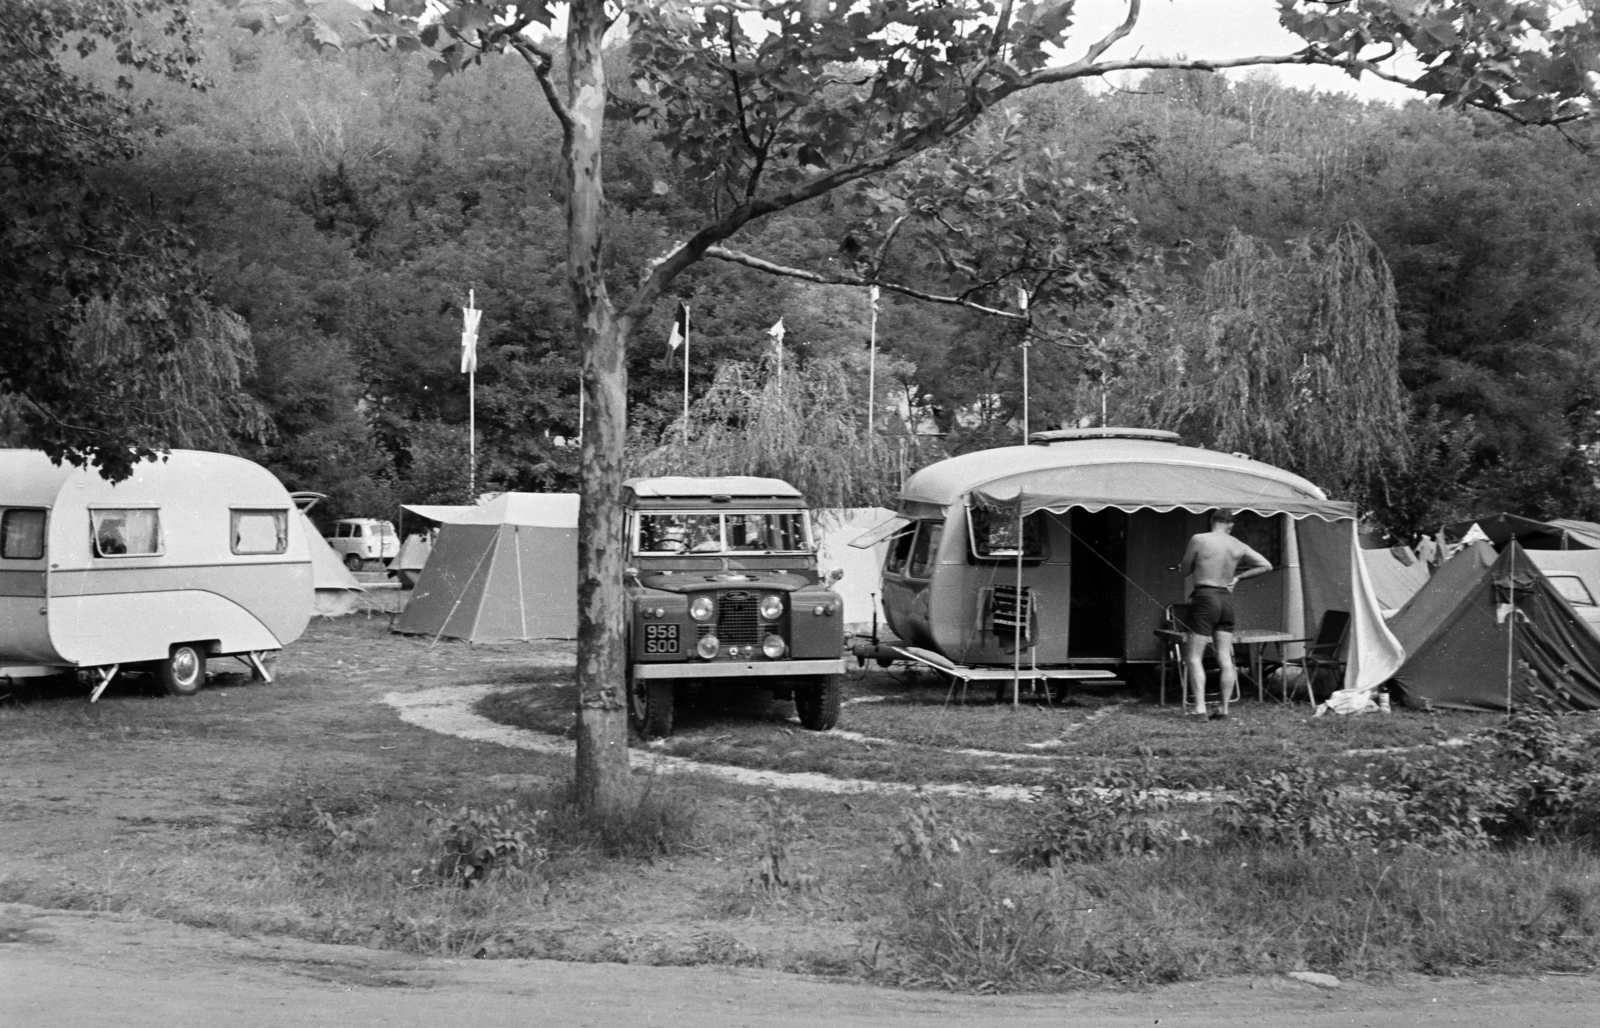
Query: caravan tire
x=352, y=562
x=817, y=703
x=184, y=670
x=650, y=707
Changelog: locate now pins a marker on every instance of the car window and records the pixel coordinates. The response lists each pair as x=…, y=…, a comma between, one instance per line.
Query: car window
x=341, y=531
x=22, y=534
x=1572, y=587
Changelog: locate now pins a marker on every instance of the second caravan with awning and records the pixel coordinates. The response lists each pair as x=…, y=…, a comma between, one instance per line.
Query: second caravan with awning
x=1104, y=517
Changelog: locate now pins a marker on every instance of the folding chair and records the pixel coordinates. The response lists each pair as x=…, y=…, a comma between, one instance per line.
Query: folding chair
x=1324, y=649
x=1172, y=640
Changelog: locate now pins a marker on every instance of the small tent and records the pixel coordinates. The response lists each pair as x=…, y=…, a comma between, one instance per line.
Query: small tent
x=1555, y=534
x=335, y=590
x=1477, y=611
x=860, y=587
x=1394, y=582
x=505, y=570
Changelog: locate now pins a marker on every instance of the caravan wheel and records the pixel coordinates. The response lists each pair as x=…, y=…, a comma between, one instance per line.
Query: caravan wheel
x=184, y=670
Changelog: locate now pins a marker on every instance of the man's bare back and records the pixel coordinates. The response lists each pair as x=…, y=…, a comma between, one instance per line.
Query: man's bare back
x=1213, y=558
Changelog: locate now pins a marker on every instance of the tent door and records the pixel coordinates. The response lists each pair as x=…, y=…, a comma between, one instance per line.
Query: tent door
x=1099, y=566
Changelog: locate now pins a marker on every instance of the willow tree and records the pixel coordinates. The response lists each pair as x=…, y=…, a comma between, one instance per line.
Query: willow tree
x=1298, y=358
x=804, y=426
x=771, y=104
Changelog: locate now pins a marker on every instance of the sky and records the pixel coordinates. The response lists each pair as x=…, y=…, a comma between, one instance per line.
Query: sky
x=1219, y=29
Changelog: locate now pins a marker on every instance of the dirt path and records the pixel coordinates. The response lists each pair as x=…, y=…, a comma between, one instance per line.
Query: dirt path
x=82, y=970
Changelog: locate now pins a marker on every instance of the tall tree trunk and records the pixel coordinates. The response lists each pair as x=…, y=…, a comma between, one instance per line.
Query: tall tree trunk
x=603, y=783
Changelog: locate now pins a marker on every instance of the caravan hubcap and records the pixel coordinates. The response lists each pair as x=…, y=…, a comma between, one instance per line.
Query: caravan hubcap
x=185, y=664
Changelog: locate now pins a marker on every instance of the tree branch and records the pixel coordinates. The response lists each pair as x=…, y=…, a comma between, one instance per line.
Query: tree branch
x=736, y=257
x=541, y=60
x=1120, y=32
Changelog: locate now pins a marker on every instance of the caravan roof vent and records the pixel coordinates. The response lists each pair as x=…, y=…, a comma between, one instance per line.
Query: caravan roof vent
x=1068, y=435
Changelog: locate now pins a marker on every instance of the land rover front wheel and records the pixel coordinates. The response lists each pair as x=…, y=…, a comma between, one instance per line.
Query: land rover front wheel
x=184, y=670
x=650, y=707
x=817, y=702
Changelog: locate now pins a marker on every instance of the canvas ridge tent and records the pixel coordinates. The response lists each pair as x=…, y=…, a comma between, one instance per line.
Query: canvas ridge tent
x=1393, y=582
x=335, y=590
x=1477, y=610
x=503, y=571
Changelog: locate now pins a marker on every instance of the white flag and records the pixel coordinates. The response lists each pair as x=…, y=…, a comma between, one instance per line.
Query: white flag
x=873, y=292
x=1022, y=299
x=469, y=334
x=680, y=328
x=776, y=332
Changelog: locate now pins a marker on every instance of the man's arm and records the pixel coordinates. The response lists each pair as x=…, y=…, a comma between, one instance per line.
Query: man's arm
x=1252, y=564
x=1186, y=567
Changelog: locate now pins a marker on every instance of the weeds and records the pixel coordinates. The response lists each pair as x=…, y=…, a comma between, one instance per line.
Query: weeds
x=475, y=843
x=1117, y=813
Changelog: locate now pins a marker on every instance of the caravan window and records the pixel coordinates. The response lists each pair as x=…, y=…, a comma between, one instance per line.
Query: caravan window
x=260, y=531
x=22, y=534
x=926, y=551
x=994, y=534
x=900, y=550
x=126, y=532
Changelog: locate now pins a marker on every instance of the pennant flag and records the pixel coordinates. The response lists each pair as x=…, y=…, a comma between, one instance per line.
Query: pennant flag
x=1022, y=299
x=777, y=332
x=680, y=327
x=469, y=334
x=873, y=292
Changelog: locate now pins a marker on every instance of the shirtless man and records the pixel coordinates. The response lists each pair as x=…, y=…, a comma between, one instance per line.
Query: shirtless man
x=1213, y=558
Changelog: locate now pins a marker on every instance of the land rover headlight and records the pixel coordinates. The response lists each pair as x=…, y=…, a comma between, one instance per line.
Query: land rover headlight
x=707, y=646
x=702, y=609
x=771, y=607
x=773, y=646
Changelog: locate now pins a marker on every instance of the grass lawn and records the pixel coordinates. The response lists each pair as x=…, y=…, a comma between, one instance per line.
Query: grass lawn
x=899, y=728
x=310, y=808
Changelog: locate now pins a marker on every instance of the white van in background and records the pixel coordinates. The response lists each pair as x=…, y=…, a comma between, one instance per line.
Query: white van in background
x=358, y=540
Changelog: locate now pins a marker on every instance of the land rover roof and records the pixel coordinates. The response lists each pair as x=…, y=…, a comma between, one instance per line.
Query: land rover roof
x=722, y=489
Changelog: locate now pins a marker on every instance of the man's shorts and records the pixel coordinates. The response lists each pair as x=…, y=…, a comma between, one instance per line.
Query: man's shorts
x=1210, y=611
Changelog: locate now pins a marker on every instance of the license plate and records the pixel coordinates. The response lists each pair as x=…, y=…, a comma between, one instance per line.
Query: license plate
x=661, y=638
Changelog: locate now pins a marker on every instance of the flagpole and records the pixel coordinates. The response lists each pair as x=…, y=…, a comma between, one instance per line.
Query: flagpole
x=1022, y=302
x=872, y=369
x=685, y=376
x=472, y=409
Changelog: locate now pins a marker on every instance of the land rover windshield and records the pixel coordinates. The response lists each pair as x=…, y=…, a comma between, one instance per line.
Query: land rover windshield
x=722, y=532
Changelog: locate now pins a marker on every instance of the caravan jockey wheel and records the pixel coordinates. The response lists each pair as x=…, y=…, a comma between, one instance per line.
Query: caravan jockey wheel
x=184, y=670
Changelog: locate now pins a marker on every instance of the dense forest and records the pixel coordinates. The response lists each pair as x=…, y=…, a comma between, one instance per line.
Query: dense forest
x=1399, y=303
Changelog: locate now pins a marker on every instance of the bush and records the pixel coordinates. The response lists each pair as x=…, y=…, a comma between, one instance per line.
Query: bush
x=475, y=844
x=1116, y=814
x=1528, y=780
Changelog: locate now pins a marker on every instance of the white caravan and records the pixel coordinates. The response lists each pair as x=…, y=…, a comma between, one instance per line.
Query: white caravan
x=196, y=555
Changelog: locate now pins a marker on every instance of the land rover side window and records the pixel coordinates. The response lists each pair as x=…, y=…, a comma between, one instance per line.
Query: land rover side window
x=260, y=531
x=900, y=550
x=994, y=534
x=680, y=533
x=926, y=551
x=768, y=532
x=126, y=532
x=1572, y=587
x=22, y=534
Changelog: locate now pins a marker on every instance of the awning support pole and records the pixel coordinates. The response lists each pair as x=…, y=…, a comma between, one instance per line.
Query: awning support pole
x=1511, y=620
x=1016, y=645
